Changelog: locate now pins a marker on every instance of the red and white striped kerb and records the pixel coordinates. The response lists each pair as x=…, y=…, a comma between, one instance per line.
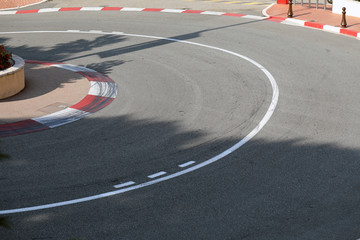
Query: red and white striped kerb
x=103, y=91
x=288, y=21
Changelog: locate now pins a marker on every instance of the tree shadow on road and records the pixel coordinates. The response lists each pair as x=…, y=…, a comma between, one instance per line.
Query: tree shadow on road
x=279, y=188
x=69, y=51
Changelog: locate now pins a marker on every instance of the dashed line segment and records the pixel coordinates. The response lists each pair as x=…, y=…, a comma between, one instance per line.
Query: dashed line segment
x=186, y=164
x=155, y=175
x=124, y=184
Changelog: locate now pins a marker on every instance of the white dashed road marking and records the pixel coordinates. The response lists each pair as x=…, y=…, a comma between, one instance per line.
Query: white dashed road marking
x=186, y=164
x=124, y=184
x=155, y=175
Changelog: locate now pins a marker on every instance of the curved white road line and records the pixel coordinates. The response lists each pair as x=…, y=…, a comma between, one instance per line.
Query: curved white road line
x=265, y=119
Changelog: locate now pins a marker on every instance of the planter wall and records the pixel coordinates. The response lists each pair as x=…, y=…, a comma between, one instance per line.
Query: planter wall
x=352, y=7
x=12, y=80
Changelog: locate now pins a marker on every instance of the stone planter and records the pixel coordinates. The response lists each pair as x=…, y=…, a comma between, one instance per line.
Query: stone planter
x=352, y=7
x=12, y=80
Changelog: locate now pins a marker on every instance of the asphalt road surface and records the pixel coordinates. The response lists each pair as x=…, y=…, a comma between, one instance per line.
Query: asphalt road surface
x=298, y=178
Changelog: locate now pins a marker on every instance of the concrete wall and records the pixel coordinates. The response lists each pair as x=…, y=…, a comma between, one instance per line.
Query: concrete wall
x=352, y=7
x=8, y=4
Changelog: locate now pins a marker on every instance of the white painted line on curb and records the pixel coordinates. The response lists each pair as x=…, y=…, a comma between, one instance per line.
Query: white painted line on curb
x=128, y=9
x=291, y=21
x=62, y=117
x=186, y=164
x=73, y=31
x=212, y=13
x=47, y=10
x=332, y=29
x=173, y=10
x=7, y=12
x=155, y=175
x=103, y=89
x=91, y=8
x=254, y=17
x=124, y=184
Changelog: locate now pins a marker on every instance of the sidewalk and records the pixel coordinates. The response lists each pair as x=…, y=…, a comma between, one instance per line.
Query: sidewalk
x=313, y=15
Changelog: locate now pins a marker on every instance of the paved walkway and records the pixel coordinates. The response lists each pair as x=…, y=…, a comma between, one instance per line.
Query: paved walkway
x=311, y=14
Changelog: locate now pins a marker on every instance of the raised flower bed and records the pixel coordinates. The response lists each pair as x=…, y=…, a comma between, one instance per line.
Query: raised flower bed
x=12, y=76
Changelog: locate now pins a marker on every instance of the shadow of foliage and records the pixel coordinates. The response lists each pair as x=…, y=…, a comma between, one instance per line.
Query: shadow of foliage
x=4, y=221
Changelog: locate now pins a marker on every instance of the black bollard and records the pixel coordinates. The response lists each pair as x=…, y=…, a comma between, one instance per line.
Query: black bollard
x=290, y=11
x=343, y=19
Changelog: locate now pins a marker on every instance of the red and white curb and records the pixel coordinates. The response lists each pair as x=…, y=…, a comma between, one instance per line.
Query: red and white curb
x=294, y=22
x=103, y=91
x=327, y=28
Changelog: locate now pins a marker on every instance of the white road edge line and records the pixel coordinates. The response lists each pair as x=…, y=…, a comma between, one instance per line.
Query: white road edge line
x=186, y=164
x=155, y=175
x=124, y=184
x=95, y=31
x=265, y=119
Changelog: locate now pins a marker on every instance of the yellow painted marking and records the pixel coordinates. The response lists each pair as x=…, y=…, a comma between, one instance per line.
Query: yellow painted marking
x=213, y=1
x=255, y=3
x=233, y=2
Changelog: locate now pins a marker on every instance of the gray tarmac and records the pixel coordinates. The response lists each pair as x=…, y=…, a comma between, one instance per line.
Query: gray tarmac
x=297, y=179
